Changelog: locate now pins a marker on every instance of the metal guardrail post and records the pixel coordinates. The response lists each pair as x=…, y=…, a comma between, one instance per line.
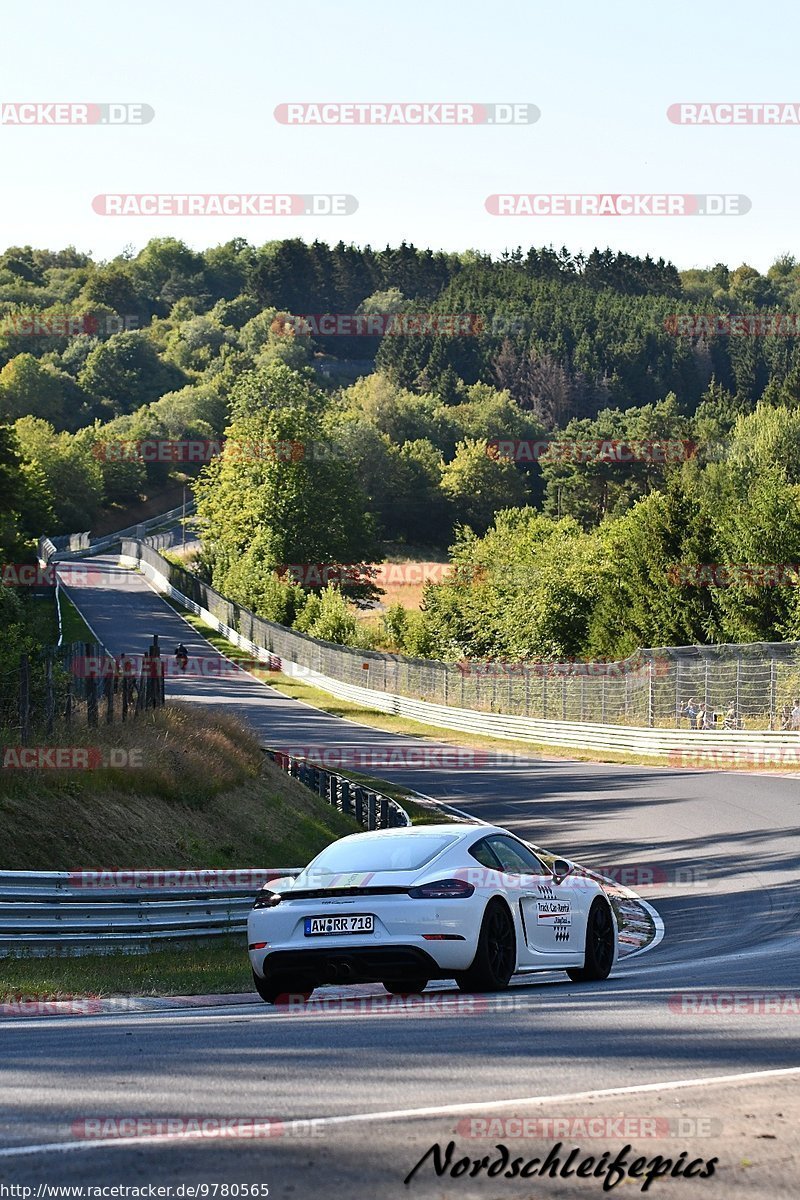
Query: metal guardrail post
x=372, y=804
x=346, y=798
x=384, y=814
x=773, y=691
x=358, y=796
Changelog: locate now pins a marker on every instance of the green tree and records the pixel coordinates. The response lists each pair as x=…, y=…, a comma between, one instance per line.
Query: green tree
x=28, y=388
x=62, y=468
x=125, y=372
x=280, y=481
x=329, y=618
x=479, y=482
x=24, y=513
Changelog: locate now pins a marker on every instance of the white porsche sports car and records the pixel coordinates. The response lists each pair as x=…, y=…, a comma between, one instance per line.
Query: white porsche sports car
x=403, y=906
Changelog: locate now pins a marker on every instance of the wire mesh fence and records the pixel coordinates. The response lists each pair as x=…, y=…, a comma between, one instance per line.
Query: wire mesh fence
x=747, y=686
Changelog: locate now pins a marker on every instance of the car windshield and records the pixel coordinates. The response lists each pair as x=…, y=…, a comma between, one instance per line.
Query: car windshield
x=367, y=853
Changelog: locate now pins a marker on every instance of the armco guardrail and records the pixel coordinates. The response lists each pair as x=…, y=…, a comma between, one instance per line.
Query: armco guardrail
x=369, y=808
x=77, y=544
x=44, y=913
x=709, y=747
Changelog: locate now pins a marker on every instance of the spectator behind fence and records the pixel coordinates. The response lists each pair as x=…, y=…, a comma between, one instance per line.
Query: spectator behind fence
x=689, y=711
x=732, y=718
x=786, y=717
x=796, y=714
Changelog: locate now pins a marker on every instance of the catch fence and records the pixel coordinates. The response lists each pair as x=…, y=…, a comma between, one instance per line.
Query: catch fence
x=734, y=687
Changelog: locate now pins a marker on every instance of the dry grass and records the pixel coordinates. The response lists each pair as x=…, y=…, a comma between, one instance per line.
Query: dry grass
x=203, y=796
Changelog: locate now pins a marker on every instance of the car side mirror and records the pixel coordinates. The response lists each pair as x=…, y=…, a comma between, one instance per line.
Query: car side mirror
x=560, y=868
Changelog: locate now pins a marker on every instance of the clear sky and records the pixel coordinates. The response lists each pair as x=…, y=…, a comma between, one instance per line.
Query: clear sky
x=603, y=76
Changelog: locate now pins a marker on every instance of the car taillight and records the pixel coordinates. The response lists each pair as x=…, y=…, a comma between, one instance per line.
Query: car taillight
x=267, y=899
x=443, y=889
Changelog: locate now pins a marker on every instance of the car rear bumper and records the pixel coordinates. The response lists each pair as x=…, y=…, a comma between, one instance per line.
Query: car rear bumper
x=350, y=964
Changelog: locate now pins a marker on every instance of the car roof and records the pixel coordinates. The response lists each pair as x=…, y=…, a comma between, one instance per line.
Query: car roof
x=453, y=829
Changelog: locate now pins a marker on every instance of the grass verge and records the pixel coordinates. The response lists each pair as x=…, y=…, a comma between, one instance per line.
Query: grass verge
x=217, y=966
x=201, y=794
x=196, y=791
x=73, y=626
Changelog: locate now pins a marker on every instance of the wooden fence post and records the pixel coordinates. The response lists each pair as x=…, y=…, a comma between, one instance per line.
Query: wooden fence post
x=50, y=696
x=108, y=683
x=24, y=699
x=91, y=690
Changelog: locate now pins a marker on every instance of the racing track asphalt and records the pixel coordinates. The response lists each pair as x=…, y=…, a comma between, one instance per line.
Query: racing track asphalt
x=724, y=851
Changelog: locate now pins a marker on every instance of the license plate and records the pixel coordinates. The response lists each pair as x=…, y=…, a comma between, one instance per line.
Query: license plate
x=333, y=926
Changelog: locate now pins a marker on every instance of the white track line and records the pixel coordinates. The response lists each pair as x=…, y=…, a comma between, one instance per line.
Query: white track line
x=411, y=1114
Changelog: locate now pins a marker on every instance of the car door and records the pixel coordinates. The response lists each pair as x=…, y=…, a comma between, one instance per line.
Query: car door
x=550, y=923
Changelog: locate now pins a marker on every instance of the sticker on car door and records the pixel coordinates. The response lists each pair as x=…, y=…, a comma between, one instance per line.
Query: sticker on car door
x=555, y=915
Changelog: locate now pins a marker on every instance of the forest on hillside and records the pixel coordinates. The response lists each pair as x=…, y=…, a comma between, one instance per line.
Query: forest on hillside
x=431, y=362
